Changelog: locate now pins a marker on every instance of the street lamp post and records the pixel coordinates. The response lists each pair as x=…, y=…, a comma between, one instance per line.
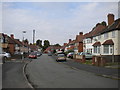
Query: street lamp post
x=23, y=45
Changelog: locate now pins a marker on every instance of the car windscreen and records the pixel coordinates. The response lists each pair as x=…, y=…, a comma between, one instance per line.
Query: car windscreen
x=61, y=55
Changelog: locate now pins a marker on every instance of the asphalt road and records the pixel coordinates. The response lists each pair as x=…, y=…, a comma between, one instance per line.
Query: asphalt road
x=12, y=75
x=45, y=72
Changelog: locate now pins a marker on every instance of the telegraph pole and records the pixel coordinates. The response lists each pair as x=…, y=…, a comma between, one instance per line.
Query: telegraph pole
x=33, y=36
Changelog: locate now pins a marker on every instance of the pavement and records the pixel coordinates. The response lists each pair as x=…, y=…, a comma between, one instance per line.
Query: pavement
x=12, y=74
x=108, y=72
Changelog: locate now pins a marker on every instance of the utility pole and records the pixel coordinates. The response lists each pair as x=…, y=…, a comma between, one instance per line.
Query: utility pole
x=33, y=36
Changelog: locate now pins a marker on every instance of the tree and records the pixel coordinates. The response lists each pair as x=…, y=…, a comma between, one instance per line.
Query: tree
x=39, y=43
x=104, y=23
x=26, y=41
x=46, y=44
x=57, y=44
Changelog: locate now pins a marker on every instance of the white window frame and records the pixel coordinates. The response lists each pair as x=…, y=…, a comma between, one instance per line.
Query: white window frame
x=113, y=34
x=97, y=49
x=110, y=49
x=106, y=36
x=106, y=49
x=99, y=37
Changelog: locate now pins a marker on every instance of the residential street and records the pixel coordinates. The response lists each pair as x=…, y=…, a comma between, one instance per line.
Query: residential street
x=45, y=72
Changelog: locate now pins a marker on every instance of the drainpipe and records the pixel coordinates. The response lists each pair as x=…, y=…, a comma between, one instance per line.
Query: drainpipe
x=113, y=59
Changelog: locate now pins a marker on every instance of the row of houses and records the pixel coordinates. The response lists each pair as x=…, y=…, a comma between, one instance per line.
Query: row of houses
x=102, y=40
x=15, y=46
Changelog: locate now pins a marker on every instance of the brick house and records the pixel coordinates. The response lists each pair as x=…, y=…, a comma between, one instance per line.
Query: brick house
x=3, y=42
x=70, y=45
x=52, y=48
x=33, y=48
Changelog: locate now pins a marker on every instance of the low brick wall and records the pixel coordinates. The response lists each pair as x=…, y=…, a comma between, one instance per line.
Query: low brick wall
x=18, y=56
x=79, y=58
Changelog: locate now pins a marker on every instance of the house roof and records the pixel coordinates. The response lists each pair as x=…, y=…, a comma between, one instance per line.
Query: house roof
x=108, y=42
x=18, y=42
x=10, y=40
x=98, y=29
x=97, y=44
x=114, y=26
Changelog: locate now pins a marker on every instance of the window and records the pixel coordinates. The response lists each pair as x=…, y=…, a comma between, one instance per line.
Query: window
x=106, y=48
x=98, y=49
x=111, y=49
x=89, y=40
x=99, y=37
x=113, y=34
x=90, y=50
x=95, y=49
x=105, y=35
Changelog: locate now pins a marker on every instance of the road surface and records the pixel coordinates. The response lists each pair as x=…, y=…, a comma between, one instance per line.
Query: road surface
x=45, y=72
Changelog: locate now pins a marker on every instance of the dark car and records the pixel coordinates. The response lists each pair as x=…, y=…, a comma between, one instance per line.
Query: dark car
x=33, y=55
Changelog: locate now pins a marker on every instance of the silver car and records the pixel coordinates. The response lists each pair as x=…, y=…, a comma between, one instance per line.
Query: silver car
x=87, y=55
x=61, y=57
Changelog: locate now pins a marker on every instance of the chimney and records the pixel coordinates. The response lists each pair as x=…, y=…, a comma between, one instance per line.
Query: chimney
x=12, y=36
x=80, y=33
x=70, y=40
x=110, y=19
x=65, y=44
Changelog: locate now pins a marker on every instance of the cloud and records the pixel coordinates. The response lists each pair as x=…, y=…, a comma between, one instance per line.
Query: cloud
x=56, y=22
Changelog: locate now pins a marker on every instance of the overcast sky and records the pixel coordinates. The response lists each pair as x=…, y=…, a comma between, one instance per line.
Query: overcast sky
x=54, y=21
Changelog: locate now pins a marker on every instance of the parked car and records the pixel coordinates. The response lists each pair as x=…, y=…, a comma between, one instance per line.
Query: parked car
x=87, y=55
x=70, y=55
x=5, y=56
x=39, y=54
x=49, y=54
x=33, y=55
x=61, y=57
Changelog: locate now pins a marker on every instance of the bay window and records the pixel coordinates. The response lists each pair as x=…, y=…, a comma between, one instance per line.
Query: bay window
x=108, y=49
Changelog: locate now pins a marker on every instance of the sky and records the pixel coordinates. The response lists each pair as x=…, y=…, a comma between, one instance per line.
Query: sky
x=54, y=21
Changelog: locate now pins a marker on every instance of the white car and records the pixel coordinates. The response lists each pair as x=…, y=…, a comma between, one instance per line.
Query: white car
x=61, y=57
x=5, y=56
x=87, y=55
